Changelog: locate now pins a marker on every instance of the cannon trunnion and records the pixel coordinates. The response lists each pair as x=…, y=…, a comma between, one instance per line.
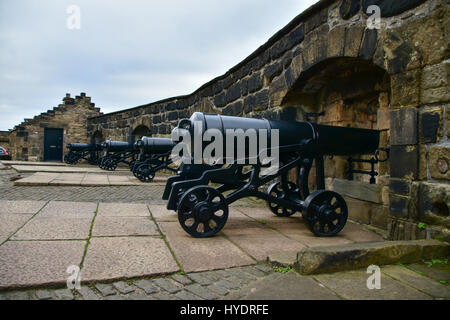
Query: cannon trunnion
x=202, y=192
x=154, y=156
x=78, y=151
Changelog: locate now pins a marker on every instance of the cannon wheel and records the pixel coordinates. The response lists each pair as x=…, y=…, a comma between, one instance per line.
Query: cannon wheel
x=202, y=211
x=326, y=213
x=145, y=173
x=132, y=163
x=70, y=159
x=101, y=163
x=276, y=190
x=110, y=164
x=135, y=167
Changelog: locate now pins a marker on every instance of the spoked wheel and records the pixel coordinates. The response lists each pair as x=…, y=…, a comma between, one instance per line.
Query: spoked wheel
x=276, y=190
x=145, y=173
x=101, y=163
x=110, y=164
x=326, y=213
x=132, y=163
x=202, y=211
x=181, y=193
x=69, y=159
x=137, y=164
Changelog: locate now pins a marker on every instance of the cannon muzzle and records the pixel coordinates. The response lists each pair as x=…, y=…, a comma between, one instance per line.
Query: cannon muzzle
x=116, y=146
x=155, y=145
x=311, y=139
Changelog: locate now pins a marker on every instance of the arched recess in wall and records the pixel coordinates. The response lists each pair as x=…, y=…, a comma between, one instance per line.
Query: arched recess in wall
x=97, y=137
x=352, y=92
x=139, y=132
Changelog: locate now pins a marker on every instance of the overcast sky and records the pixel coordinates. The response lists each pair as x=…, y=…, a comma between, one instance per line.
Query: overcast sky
x=126, y=52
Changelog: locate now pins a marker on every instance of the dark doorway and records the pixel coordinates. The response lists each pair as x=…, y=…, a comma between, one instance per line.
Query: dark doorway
x=53, y=144
x=97, y=138
x=139, y=132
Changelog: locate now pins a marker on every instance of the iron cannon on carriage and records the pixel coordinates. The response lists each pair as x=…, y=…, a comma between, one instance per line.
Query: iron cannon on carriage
x=154, y=156
x=78, y=151
x=116, y=152
x=202, y=192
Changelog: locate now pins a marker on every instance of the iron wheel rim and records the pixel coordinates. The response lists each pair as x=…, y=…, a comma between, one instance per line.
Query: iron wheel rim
x=326, y=213
x=277, y=191
x=145, y=174
x=197, y=211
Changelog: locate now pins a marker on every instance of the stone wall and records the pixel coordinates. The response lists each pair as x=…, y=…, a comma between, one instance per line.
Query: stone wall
x=27, y=139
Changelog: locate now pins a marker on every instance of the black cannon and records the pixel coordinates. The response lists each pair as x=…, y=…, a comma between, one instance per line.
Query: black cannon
x=203, y=208
x=116, y=152
x=78, y=151
x=154, y=156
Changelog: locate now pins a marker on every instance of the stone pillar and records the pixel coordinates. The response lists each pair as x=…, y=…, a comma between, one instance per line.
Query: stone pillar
x=404, y=166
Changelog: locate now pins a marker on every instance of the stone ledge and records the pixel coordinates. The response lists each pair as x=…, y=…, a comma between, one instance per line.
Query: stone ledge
x=359, y=190
x=33, y=163
x=360, y=255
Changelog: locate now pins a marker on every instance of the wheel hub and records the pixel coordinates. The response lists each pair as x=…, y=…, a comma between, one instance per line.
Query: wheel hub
x=202, y=212
x=325, y=213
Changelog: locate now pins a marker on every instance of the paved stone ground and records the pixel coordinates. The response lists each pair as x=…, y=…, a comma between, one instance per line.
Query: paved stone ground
x=135, y=249
x=66, y=169
x=27, y=163
x=39, y=240
x=124, y=194
x=87, y=179
x=258, y=282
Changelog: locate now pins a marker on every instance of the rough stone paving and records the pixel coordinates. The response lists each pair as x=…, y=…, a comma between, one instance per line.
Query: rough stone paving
x=134, y=193
x=130, y=247
x=258, y=282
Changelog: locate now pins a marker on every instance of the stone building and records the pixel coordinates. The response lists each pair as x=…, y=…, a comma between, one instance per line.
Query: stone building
x=44, y=137
x=391, y=75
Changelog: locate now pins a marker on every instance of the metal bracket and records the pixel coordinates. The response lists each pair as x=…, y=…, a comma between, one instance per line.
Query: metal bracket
x=372, y=162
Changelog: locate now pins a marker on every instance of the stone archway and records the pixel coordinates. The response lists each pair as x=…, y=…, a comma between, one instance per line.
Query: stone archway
x=352, y=92
x=139, y=132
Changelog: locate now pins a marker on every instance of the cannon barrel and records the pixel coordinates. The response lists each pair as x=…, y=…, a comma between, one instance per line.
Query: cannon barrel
x=155, y=145
x=83, y=147
x=319, y=139
x=116, y=146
